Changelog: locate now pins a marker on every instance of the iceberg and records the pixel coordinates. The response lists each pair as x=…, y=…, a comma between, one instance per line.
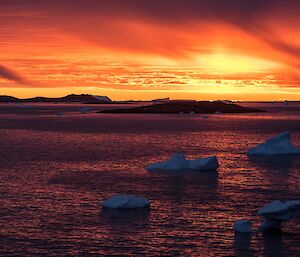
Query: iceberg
x=278, y=145
x=276, y=212
x=242, y=226
x=179, y=162
x=125, y=202
x=209, y=163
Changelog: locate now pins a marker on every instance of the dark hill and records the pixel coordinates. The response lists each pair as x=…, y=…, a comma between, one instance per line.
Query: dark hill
x=8, y=99
x=84, y=98
x=196, y=107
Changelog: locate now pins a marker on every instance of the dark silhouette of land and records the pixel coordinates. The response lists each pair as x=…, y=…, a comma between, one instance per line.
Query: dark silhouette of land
x=154, y=106
x=84, y=98
x=187, y=107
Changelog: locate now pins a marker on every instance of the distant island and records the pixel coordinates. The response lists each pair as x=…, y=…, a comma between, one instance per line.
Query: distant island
x=204, y=107
x=84, y=98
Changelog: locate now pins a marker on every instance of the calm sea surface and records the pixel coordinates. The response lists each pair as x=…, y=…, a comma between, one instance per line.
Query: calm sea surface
x=57, y=165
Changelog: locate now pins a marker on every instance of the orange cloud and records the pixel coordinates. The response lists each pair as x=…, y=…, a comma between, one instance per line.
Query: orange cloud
x=184, y=46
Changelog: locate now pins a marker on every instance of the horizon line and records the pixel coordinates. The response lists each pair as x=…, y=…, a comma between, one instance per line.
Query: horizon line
x=155, y=99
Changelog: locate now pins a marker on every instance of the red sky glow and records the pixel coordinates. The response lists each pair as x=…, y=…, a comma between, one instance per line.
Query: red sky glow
x=133, y=49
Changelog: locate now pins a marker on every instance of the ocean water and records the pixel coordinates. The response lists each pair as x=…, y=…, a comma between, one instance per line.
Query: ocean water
x=57, y=165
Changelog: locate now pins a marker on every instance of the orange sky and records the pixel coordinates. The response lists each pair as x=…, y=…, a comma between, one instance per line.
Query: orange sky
x=130, y=49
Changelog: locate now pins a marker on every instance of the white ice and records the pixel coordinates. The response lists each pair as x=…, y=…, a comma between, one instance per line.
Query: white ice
x=179, y=162
x=277, y=211
x=125, y=202
x=209, y=163
x=242, y=226
x=278, y=145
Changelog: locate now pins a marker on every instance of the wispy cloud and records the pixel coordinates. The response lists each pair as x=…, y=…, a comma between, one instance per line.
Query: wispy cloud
x=172, y=44
x=11, y=75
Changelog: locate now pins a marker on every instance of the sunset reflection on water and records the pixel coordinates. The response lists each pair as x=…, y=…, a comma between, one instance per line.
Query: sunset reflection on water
x=54, y=172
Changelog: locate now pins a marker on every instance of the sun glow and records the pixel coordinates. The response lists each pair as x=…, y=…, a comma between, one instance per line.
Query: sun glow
x=224, y=63
x=144, y=51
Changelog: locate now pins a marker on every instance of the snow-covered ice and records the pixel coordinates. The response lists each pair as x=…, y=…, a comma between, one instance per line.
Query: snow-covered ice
x=242, y=226
x=179, y=162
x=209, y=163
x=125, y=202
x=278, y=145
x=277, y=211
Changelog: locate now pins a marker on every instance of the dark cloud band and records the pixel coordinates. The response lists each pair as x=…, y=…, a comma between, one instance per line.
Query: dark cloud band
x=8, y=74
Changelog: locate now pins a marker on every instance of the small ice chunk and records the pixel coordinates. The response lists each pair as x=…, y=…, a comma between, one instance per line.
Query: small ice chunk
x=136, y=202
x=209, y=163
x=179, y=162
x=242, y=226
x=273, y=207
x=115, y=202
x=278, y=145
x=293, y=204
x=125, y=202
x=277, y=211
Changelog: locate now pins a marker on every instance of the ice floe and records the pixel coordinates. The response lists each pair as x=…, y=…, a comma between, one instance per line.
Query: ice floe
x=277, y=211
x=125, y=202
x=179, y=162
x=242, y=226
x=278, y=145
